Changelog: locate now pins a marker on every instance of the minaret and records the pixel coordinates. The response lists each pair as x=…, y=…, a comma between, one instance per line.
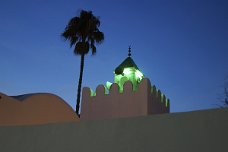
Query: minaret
x=128, y=70
x=137, y=100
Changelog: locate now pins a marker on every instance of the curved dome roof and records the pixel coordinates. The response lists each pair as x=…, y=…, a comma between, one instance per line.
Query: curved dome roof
x=37, y=108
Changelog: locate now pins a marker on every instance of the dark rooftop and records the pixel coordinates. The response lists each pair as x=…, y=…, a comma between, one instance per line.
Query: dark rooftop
x=128, y=62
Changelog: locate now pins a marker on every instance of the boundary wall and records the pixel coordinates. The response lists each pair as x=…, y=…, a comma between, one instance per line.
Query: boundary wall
x=199, y=131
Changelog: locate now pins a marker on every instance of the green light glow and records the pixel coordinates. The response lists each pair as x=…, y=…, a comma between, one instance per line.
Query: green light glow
x=108, y=85
x=92, y=93
x=167, y=102
x=131, y=74
x=162, y=96
x=127, y=71
x=138, y=74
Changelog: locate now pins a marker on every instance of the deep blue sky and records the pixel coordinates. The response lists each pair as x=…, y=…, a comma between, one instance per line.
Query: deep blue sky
x=181, y=46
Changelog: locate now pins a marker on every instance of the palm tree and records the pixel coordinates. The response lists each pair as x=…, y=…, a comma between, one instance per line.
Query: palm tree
x=83, y=34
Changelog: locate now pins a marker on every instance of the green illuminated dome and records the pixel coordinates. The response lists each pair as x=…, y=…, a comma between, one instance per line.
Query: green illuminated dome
x=126, y=71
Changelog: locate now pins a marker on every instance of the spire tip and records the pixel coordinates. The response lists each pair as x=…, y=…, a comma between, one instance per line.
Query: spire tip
x=129, y=51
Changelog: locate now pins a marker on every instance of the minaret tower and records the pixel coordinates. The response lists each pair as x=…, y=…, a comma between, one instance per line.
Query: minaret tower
x=127, y=70
x=130, y=95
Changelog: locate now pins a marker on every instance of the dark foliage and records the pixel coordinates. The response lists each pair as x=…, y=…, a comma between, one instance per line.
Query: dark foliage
x=83, y=34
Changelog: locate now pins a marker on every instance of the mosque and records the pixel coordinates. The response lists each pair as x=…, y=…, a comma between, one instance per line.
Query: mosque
x=131, y=94
x=45, y=122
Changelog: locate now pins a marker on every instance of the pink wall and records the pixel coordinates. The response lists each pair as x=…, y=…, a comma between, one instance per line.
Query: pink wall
x=35, y=109
x=127, y=104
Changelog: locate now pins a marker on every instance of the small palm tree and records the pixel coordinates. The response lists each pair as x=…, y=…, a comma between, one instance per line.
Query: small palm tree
x=83, y=34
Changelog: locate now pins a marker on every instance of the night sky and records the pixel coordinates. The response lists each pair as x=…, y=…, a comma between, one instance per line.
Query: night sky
x=180, y=45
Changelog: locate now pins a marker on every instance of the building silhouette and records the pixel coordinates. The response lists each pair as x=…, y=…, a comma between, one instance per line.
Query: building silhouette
x=131, y=94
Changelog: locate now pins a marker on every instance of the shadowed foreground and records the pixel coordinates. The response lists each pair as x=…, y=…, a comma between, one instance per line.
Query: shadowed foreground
x=199, y=131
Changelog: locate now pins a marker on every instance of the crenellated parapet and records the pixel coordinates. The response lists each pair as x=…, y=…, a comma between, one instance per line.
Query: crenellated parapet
x=146, y=100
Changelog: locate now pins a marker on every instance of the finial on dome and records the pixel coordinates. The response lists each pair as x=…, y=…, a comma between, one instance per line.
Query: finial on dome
x=129, y=51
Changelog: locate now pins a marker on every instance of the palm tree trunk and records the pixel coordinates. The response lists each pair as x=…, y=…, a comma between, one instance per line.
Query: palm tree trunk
x=80, y=84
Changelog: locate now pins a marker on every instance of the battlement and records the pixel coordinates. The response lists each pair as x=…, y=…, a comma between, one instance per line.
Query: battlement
x=145, y=100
